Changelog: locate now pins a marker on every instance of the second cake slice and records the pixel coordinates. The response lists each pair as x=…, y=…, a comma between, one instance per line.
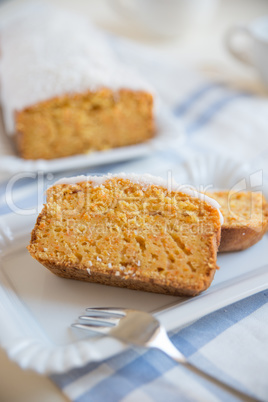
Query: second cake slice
x=245, y=218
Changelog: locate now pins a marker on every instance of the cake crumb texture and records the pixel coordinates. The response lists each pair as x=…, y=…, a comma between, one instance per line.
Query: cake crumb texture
x=132, y=235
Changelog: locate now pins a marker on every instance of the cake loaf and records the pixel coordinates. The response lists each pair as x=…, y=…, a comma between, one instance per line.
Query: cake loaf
x=63, y=90
x=132, y=231
x=245, y=219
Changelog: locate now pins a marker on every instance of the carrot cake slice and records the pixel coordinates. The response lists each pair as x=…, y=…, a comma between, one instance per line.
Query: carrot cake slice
x=135, y=231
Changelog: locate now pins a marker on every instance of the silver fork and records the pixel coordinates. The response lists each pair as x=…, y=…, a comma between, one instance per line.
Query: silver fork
x=142, y=329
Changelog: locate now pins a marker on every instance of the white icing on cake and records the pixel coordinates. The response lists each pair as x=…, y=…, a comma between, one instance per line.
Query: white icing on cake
x=49, y=52
x=146, y=180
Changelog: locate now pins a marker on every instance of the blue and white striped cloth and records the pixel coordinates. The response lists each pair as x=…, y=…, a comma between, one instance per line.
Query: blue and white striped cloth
x=231, y=343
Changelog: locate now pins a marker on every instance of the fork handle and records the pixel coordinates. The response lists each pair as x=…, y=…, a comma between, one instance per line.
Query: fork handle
x=221, y=384
x=163, y=343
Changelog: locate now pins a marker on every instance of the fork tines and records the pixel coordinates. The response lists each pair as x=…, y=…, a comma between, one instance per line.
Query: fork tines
x=106, y=311
x=100, y=320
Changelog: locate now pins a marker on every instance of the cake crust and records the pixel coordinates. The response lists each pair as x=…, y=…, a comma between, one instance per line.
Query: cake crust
x=239, y=238
x=143, y=283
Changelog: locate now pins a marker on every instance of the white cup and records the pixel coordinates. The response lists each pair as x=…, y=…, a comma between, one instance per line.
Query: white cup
x=165, y=18
x=249, y=44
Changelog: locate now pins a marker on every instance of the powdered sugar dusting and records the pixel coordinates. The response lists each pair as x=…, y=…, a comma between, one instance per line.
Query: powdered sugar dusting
x=59, y=53
x=145, y=180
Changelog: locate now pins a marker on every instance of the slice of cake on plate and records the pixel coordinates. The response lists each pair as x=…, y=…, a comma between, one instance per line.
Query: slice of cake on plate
x=135, y=231
x=63, y=90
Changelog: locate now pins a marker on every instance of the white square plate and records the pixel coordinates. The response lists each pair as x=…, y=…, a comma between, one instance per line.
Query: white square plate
x=37, y=307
